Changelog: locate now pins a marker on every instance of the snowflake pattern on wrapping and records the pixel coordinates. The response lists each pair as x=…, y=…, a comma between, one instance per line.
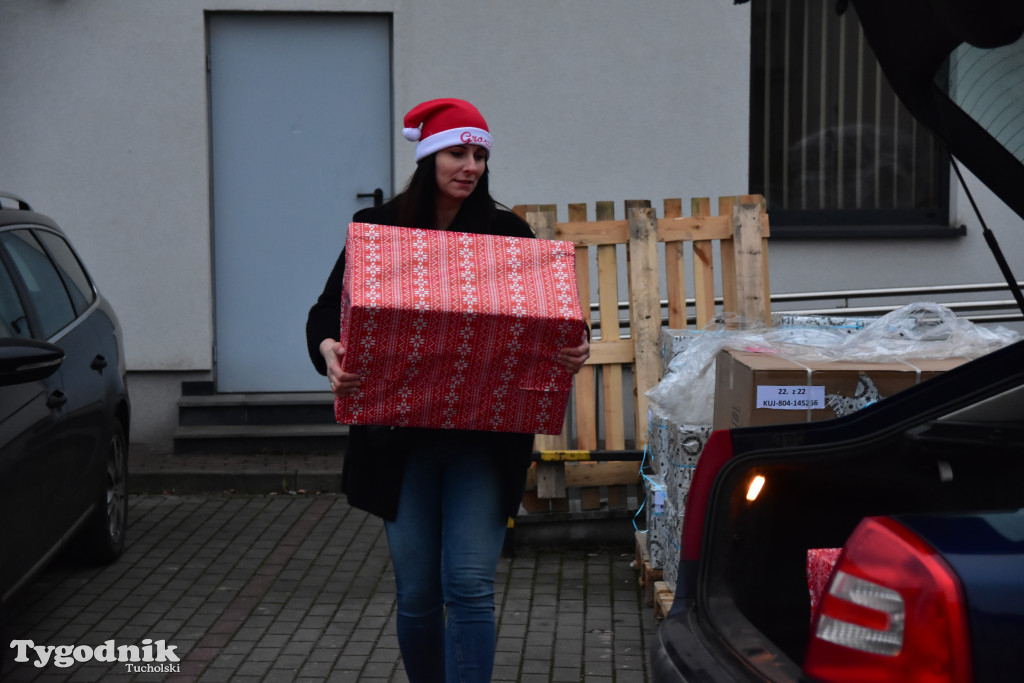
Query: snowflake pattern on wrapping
x=456, y=330
x=516, y=329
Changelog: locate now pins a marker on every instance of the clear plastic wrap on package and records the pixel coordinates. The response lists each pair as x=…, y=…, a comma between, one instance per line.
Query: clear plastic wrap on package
x=918, y=330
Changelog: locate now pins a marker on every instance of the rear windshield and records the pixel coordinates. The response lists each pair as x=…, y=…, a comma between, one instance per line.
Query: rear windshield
x=987, y=84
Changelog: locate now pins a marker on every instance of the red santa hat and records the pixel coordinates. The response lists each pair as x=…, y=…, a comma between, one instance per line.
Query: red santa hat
x=446, y=122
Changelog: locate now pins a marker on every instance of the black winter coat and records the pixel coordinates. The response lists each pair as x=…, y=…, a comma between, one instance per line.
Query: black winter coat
x=375, y=457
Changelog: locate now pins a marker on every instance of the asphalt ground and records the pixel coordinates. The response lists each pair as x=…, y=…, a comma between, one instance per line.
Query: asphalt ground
x=287, y=584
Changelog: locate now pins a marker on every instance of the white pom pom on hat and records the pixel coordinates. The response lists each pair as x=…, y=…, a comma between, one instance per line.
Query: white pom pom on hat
x=446, y=122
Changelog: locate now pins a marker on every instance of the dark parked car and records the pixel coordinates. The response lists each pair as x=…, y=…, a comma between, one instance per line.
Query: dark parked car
x=922, y=491
x=64, y=410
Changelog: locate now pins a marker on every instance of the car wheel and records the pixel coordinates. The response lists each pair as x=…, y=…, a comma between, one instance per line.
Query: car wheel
x=104, y=537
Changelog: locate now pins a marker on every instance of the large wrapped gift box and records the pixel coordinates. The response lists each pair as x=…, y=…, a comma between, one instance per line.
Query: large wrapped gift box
x=821, y=563
x=755, y=389
x=457, y=331
x=674, y=450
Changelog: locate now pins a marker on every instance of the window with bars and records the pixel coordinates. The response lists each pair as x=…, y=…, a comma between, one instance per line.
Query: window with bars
x=832, y=149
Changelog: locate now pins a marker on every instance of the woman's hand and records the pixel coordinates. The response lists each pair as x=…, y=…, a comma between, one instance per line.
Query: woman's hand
x=342, y=383
x=572, y=358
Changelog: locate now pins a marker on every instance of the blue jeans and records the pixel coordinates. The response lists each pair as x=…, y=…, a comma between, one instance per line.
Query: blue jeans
x=445, y=543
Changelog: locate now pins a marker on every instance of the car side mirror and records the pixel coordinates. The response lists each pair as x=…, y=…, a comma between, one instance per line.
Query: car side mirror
x=27, y=360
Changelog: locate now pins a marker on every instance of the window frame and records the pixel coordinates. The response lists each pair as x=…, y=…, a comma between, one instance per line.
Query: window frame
x=875, y=223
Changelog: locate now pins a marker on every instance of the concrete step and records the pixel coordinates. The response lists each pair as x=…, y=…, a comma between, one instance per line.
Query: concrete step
x=242, y=439
x=300, y=408
x=239, y=423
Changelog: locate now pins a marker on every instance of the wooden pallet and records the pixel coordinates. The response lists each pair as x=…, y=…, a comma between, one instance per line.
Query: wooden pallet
x=600, y=418
x=648, y=575
x=663, y=597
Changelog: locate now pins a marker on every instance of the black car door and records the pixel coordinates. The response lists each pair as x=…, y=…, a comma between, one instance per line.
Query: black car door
x=54, y=452
x=27, y=425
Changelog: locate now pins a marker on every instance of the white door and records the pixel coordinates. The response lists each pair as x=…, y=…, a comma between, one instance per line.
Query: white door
x=300, y=126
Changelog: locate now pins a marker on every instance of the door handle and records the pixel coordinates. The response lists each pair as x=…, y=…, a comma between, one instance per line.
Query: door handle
x=378, y=196
x=98, y=363
x=56, y=399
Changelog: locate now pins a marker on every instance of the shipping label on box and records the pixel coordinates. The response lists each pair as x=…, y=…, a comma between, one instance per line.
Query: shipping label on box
x=657, y=521
x=755, y=389
x=457, y=331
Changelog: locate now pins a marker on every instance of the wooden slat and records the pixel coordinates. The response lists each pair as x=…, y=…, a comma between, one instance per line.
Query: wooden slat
x=618, y=496
x=590, y=498
x=689, y=229
x=726, y=249
x=608, y=291
x=542, y=222
x=703, y=269
x=551, y=480
x=614, y=413
x=595, y=233
x=601, y=474
x=648, y=574
x=664, y=596
x=522, y=209
x=675, y=268
x=766, y=287
x=612, y=351
x=592, y=474
x=585, y=382
x=645, y=311
x=608, y=304
x=747, y=244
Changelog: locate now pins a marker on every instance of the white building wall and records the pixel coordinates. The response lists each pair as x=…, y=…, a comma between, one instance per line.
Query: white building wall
x=104, y=126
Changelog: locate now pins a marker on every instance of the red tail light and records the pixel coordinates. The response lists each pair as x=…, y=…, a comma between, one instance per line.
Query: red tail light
x=894, y=611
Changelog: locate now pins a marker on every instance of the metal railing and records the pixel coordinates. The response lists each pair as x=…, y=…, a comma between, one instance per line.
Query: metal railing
x=979, y=311
x=882, y=301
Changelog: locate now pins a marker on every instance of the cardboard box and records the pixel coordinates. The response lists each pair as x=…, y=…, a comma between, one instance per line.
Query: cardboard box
x=754, y=389
x=457, y=331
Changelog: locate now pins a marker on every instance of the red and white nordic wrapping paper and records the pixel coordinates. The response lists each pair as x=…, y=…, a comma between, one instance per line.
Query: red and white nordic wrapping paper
x=821, y=562
x=457, y=331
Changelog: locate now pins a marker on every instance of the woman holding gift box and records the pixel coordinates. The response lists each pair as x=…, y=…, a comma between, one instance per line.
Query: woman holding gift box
x=445, y=495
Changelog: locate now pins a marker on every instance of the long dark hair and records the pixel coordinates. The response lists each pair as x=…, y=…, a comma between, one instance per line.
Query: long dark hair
x=417, y=206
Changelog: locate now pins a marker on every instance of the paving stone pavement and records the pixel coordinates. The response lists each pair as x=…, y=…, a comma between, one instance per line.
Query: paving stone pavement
x=296, y=587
